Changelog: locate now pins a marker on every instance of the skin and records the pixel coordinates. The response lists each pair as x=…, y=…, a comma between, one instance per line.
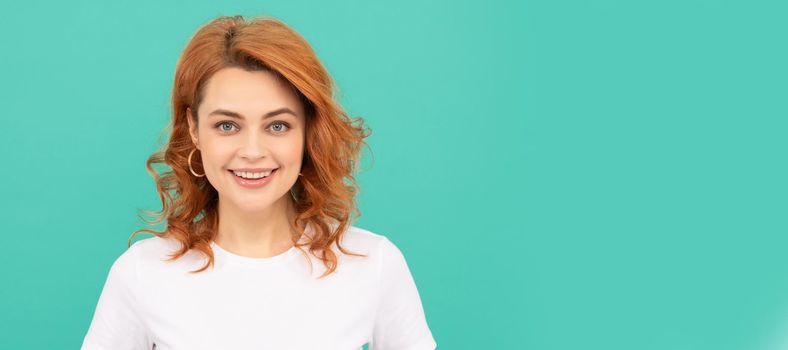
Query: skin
x=252, y=222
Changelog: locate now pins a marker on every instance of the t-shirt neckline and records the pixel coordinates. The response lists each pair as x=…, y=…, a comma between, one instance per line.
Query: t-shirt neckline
x=251, y=261
x=261, y=262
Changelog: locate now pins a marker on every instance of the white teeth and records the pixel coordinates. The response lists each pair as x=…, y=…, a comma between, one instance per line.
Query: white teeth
x=248, y=175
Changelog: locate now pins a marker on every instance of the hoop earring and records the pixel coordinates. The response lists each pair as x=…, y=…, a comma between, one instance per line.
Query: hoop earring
x=190, y=164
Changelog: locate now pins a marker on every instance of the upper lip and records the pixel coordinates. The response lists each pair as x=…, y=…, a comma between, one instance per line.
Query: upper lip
x=254, y=170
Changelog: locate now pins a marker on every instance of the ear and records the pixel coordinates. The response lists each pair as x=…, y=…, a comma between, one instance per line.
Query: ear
x=192, y=127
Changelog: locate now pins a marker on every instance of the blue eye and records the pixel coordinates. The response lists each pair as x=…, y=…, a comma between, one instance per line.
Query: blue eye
x=226, y=127
x=222, y=128
x=280, y=129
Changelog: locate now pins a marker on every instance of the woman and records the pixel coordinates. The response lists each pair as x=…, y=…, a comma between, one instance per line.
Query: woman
x=258, y=252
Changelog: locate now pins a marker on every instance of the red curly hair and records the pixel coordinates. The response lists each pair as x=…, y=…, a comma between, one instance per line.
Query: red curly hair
x=324, y=196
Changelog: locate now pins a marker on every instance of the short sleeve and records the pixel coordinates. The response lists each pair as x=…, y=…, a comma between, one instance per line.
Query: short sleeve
x=116, y=323
x=400, y=323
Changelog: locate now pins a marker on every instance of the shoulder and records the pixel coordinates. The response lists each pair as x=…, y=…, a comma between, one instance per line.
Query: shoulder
x=378, y=246
x=378, y=255
x=124, y=271
x=369, y=242
x=153, y=247
x=155, y=252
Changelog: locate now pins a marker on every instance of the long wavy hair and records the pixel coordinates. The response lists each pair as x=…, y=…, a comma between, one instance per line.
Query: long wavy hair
x=324, y=196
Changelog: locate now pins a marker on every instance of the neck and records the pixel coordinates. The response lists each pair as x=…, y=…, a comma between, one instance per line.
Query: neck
x=256, y=234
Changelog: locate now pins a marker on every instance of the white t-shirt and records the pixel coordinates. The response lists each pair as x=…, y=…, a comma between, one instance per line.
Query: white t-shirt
x=260, y=303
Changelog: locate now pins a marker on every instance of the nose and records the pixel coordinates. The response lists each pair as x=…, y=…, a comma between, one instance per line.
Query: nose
x=252, y=147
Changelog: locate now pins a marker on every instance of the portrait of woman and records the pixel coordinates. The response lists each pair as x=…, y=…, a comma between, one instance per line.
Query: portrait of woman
x=542, y=175
x=259, y=250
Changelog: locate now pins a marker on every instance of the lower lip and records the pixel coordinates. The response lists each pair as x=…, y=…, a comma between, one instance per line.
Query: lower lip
x=253, y=183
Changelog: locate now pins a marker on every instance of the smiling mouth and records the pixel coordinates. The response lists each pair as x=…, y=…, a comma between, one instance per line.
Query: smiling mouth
x=249, y=175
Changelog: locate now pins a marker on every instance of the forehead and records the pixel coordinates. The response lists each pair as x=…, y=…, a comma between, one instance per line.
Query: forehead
x=252, y=93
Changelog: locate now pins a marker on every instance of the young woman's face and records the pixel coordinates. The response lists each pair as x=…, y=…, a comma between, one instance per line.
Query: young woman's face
x=252, y=121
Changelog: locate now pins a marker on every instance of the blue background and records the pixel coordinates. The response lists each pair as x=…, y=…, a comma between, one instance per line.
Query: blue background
x=559, y=174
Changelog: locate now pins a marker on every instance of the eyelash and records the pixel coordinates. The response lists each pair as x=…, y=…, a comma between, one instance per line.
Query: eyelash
x=219, y=126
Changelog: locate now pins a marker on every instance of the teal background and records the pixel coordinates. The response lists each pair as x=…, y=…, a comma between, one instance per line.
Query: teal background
x=559, y=174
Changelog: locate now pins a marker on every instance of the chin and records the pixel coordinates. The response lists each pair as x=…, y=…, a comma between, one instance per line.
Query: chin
x=253, y=208
x=255, y=203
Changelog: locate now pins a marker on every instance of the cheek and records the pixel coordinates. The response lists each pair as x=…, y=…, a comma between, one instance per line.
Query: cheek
x=294, y=150
x=215, y=152
x=291, y=149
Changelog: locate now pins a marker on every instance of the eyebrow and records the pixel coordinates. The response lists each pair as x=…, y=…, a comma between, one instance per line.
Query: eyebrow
x=237, y=115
